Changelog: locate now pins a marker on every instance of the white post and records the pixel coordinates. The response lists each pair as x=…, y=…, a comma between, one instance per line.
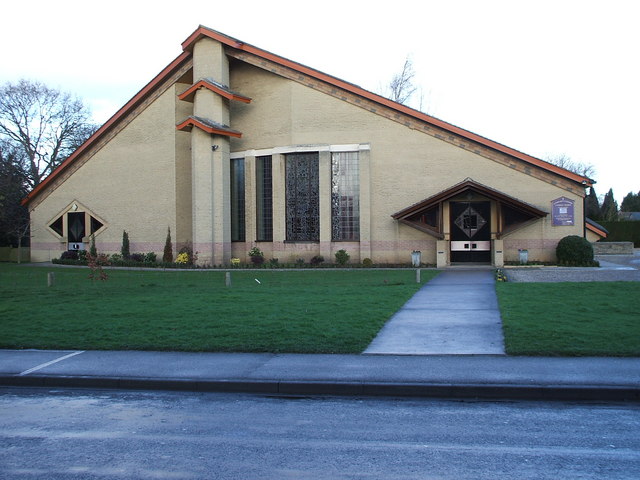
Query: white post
x=418, y=275
x=227, y=279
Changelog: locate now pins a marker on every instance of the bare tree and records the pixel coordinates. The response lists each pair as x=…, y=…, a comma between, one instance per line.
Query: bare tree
x=581, y=168
x=44, y=123
x=401, y=87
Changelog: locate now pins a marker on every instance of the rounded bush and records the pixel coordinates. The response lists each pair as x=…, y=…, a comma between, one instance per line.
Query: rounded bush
x=69, y=255
x=575, y=251
x=317, y=260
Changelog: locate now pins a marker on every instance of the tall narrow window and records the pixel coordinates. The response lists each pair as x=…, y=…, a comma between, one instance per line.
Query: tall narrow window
x=303, y=197
x=264, y=199
x=345, y=197
x=76, y=226
x=237, y=200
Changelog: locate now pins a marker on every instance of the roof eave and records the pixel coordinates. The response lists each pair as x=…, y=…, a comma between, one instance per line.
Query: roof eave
x=202, y=32
x=461, y=188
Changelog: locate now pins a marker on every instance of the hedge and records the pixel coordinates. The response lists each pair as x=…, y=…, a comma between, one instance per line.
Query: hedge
x=624, y=231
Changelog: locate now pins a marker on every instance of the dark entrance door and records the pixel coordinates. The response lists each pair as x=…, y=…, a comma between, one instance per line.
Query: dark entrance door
x=470, y=231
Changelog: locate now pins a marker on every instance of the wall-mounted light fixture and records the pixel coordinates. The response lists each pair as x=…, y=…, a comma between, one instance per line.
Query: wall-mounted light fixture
x=214, y=147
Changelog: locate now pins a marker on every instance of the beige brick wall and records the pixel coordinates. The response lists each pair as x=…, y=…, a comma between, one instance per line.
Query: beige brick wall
x=130, y=184
x=407, y=165
x=142, y=180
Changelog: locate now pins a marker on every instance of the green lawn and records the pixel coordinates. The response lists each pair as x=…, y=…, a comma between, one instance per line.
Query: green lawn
x=303, y=311
x=567, y=319
x=306, y=311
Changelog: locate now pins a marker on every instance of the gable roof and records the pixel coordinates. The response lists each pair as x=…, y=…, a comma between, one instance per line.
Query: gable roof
x=465, y=186
x=205, y=32
x=408, y=215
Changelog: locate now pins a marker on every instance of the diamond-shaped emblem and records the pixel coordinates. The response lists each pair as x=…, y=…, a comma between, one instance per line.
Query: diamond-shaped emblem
x=470, y=221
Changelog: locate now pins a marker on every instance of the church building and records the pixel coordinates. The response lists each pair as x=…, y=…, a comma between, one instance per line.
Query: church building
x=231, y=147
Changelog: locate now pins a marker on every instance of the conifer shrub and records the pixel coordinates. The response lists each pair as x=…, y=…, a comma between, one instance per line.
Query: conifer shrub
x=93, y=251
x=124, y=250
x=575, y=251
x=167, y=256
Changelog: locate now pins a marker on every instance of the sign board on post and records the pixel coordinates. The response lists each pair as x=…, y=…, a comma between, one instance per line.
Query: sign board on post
x=562, y=212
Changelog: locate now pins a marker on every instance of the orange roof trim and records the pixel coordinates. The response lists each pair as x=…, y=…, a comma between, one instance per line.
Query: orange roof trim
x=462, y=187
x=189, y=94
x=595, y=230
x=208, y=126
x=203, y=32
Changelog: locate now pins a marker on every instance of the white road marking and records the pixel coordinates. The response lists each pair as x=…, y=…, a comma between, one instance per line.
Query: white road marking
x=27, y=372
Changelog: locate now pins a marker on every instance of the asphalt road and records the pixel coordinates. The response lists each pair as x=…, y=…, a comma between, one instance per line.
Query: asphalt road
x=86, y=434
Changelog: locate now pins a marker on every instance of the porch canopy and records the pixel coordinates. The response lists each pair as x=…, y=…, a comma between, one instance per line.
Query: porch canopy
x=427, y=215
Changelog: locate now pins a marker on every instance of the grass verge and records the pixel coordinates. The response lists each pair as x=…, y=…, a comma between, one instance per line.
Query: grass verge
x=300, y=311
x=571, y=319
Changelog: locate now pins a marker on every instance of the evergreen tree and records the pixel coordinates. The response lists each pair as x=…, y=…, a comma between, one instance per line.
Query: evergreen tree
x=609, y=209
x=125, y=245
x=92, y=246
x=592, y=206
x=631, y=203
x=167, y=256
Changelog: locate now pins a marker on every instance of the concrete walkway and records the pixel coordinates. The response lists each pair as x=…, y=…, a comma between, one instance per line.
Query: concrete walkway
x=456, y=313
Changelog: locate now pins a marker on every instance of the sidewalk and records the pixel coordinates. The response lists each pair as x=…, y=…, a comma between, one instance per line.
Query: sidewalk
x=456, y=313
x=441, y=376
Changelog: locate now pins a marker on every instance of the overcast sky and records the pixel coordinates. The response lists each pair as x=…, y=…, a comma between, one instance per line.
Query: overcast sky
x=545, y=77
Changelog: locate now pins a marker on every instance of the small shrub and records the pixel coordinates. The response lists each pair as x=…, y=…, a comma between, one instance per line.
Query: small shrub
x=167, y=255
x=82, y=255
x=124, y=250
x=137, y=257
x=500, y=276
x=95, y=264
x=69, y=255
x=257, y=256
x=115, y=258
x=183, y=258
x=342, y=257
x=575, y=251
x=317, y=260
x=187, y=248
x=273, y=262
x=299, y=261
x=150, y=257
x=367, y=262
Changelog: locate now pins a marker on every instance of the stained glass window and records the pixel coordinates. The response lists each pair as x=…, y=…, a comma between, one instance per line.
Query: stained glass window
x=302, y=197
x=237, y=200
x=345, y=196
x=264, y=199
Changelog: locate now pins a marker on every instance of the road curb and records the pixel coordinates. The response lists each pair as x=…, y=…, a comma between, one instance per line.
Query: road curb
x=608, y=393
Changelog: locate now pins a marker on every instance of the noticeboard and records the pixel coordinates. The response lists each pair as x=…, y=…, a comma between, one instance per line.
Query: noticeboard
x=562, y=212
